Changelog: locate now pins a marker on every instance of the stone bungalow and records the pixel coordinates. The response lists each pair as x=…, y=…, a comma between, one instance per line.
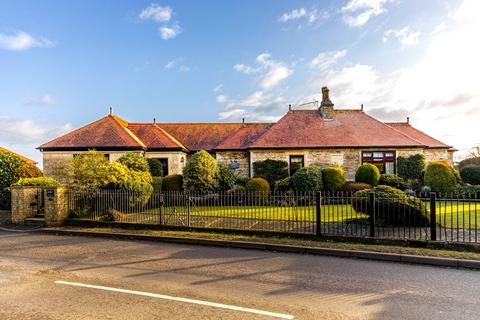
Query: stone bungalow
x=320, y=137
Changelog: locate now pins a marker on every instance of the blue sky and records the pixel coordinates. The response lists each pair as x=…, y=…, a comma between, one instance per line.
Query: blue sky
x=63, y=63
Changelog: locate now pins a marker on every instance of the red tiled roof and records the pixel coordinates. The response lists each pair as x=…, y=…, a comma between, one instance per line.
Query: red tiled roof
x=348, y=128
x=418, y=135
x=200, y=136
x=108, y=132
x=244, y=136
x=297, y=129
x=154, y=137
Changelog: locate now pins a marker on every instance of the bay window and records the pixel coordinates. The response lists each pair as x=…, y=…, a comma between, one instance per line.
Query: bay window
x=383, y=160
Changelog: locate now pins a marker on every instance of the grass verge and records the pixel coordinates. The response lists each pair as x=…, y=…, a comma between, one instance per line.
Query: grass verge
x=330, y=244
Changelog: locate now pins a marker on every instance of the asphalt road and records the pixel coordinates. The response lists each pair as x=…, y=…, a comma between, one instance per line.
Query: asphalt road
x=160, y=276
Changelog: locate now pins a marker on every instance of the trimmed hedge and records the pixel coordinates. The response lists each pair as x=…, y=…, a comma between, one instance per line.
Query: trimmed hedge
x=271, y=170
x=471, y=174
x=469, y=191
x=38, y=182
x=27, y=170
x=307, y=179
x=172, y=182
x=393, y=207
x=440, y=177
x=392, y=180
x=410, y=168
x=283, y=185
x=258, y=185
x=367, y=173
x=352, y=186
x=157, y=183
x=333, y=178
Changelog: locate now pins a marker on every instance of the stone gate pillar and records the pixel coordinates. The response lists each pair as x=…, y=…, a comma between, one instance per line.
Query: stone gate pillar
x=56, y=206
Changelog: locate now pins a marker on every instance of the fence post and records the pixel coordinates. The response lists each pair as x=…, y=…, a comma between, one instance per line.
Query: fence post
x=187, y=197
x=373, y=212
x=433, y=216
x=318, y=210
x=161, y=203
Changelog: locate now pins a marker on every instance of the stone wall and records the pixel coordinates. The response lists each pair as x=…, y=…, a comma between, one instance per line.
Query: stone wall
x=240, y=157
x=25, y=202
x=175, y=163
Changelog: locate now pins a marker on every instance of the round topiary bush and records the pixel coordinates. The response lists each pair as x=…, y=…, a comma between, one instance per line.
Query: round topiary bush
x=367, y=173
x=352, y=186
x=440, y=177
x=134, y=161
x=307, y=179
x=257, y=185
x=156, y=168
x=173, y=182
x=333, y=179
x=201, y=173
x=392, y=180
x=393, y=207
x=471, y=174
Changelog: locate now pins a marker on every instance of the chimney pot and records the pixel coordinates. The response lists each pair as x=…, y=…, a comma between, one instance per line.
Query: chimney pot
x=408, y=120
x=154, y=120
x=361, y=107
x=110, y=110
x=326, y=106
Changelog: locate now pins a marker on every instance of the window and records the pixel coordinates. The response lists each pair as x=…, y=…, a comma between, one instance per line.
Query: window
x=164, y=162
x=296, y=162
x=384, y=160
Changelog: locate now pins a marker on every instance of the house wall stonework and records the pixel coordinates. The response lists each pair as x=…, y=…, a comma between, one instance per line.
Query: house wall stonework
x=348, y=159
x=175, y=163
x=241, y=157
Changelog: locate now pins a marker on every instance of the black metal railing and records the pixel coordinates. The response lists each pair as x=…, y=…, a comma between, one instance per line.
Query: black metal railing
x=452, y=217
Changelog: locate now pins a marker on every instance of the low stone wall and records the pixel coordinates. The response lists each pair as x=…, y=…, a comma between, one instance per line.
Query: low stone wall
x=25, y=202
x=5, y=216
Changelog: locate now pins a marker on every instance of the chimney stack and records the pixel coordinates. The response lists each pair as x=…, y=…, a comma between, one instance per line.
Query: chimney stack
x=326, y=107
x=154, y=121
x=408, y=120
x=110, y=110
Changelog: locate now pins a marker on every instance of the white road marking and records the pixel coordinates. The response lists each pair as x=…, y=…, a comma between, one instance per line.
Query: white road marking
x=193, y=301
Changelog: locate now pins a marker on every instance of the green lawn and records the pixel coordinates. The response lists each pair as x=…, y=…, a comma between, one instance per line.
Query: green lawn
x=330, y=213
x=449, y=215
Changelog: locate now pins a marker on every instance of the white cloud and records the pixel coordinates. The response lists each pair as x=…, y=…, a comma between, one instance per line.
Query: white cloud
x=271, y=72
x=170, y=32
x=24, y=135
x=156, y=13
x=406, y=37
x=222, y=98
x=245, y=69
x=292, y=15
x=356, y=13
x=170, y=64
x=275, y=75
x=233, y=114
x=46, y=100
x=441, y=92
x=326, y=59
x=218, y=88
x=311, y=15
x=439, y=28
x=23, y=41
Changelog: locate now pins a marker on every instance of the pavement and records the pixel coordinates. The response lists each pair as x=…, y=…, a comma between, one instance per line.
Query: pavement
x=66, y=277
